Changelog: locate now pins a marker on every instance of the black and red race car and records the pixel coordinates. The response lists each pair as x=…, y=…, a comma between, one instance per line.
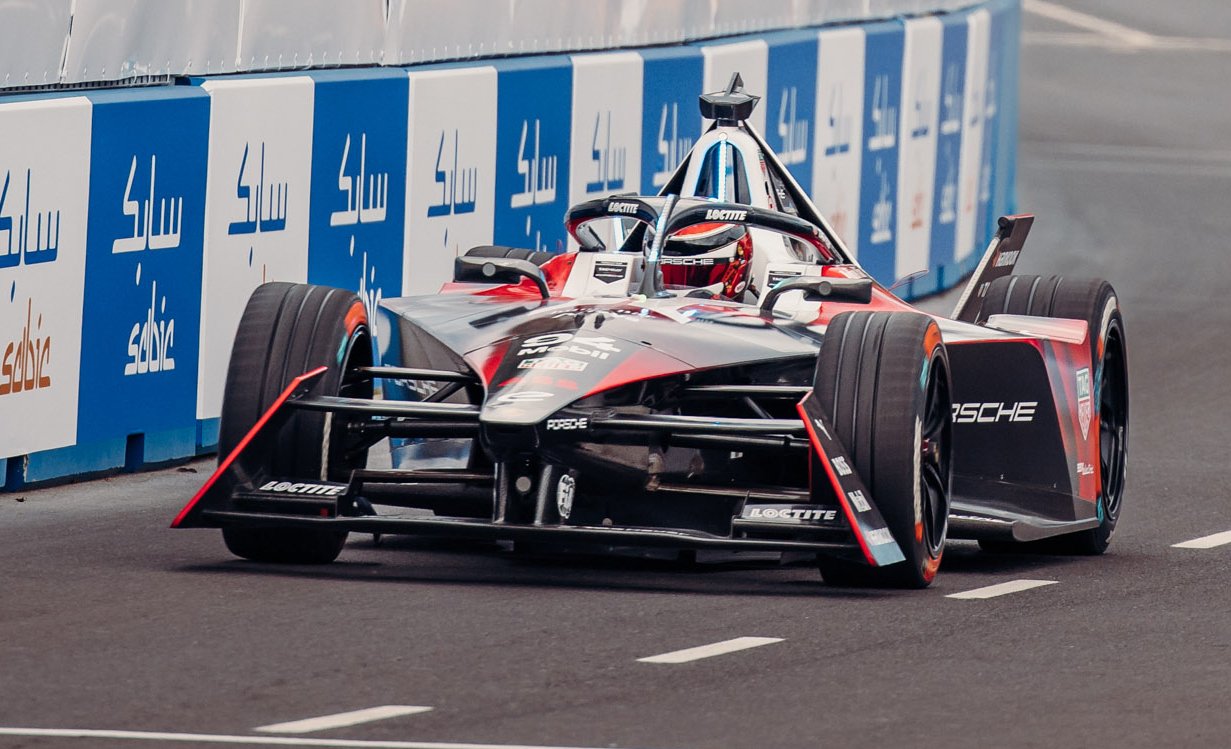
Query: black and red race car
x=708, y=369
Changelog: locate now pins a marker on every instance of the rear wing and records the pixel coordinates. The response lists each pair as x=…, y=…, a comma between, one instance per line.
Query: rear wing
x=998, y=261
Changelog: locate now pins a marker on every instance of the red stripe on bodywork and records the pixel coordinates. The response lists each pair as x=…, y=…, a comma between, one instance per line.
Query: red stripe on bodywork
x=260, y=424
x=833, y=479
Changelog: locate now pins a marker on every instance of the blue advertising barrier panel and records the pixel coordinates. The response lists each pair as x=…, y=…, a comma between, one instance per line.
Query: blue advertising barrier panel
x=134, y=223
x=141, y=322
x=356, y=221
x=534, y=110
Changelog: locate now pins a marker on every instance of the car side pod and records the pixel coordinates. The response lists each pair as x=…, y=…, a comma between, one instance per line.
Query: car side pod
x=831, y=461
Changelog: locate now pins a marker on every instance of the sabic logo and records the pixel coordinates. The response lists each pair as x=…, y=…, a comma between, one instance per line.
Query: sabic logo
x=725, y=214
x=884, y=117
x=948, y=190
x=26, y=238
x=951, y=101
x=882, y=210
x=672, y=147
x=144, y=234
x=367, y=194
x=922, y=114
x=840, y=124
x=459, y=186
x=151, y=340
x=538, y=172
x=23, y=368
x=792, y=130
x=265, y=204
x=610, y=162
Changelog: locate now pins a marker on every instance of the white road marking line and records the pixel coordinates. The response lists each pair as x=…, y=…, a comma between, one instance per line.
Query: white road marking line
x=341, y=720
x=1100, y=32
x=1206, y=542
x=1126, y=36
x=211, y=738
x=709, y=651
x=1001, y=589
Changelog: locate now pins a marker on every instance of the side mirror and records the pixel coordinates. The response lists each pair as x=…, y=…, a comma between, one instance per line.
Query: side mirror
x=588, y=239
x=499, y=270
x=857, y=290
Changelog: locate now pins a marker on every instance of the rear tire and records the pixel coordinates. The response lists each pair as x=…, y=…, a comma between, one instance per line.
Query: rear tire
x=1095, y=301
x=883, y=379
x=286, y=330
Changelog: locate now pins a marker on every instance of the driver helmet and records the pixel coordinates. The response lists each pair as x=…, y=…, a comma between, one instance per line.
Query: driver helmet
x=706, y=255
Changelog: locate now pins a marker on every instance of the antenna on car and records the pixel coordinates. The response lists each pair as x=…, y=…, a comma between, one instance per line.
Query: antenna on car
x=731, y=106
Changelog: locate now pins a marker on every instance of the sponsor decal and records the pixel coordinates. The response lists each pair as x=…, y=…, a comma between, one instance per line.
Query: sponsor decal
x=1021, y=412
x=610, y=271
x=24, y=364
x=1085, y=469
x=565, y=490
x=878, y=536
x=790, y=513
x=725, y=214
x=858, y=501
x=554, y=362
x=287, y=487
x=459, y=184
x=609, y=162
x=687, y=260
x=593, y=347
x=792, y=129
x=1085, y=404
x=1006, y=258
x=820, y=425
x=568, y=424
x=840, y=465
x=623, y=209
x=524, y=396
x=673, y=146
x=777, y=276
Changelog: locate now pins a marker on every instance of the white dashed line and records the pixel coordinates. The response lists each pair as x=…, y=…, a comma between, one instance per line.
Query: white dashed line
x=709, y=651
x=1001, y=589
x=212, y=738
x=341, y=720
x=1205, y=542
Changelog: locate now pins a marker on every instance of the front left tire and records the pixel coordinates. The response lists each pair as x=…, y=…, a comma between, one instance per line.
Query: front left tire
x=288, y=329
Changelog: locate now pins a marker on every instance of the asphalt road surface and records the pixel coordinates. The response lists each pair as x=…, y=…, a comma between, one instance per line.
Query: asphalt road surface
x=111, y=622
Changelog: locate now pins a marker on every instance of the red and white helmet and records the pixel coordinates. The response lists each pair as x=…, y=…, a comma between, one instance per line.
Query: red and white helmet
x=708, y=254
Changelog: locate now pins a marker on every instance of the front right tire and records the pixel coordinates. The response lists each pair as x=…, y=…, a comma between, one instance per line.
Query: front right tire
x=883, y=380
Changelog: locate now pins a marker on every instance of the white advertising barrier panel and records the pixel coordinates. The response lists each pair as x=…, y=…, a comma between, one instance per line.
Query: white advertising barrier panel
x=121, y=39
x=256, y=208
x=917, y=157
x=288, y=34
x=836, y=166
x=748, y=58
x=606, y=137
x=970, y=166
x=44, y=189
x=32, y=38
x=451, y=171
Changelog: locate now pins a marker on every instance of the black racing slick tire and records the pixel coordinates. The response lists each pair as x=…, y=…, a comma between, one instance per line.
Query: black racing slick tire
x=883, y=379
x=288, y=329
x=1094, y=301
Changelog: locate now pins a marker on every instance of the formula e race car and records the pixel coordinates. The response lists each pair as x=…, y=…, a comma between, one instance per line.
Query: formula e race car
x=708, y=368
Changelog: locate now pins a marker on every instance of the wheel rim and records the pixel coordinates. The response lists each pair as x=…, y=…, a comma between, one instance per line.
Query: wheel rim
x=934, y=462
x=1113, y=425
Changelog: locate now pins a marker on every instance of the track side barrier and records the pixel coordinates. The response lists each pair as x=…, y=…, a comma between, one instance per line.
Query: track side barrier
x=134, y=223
